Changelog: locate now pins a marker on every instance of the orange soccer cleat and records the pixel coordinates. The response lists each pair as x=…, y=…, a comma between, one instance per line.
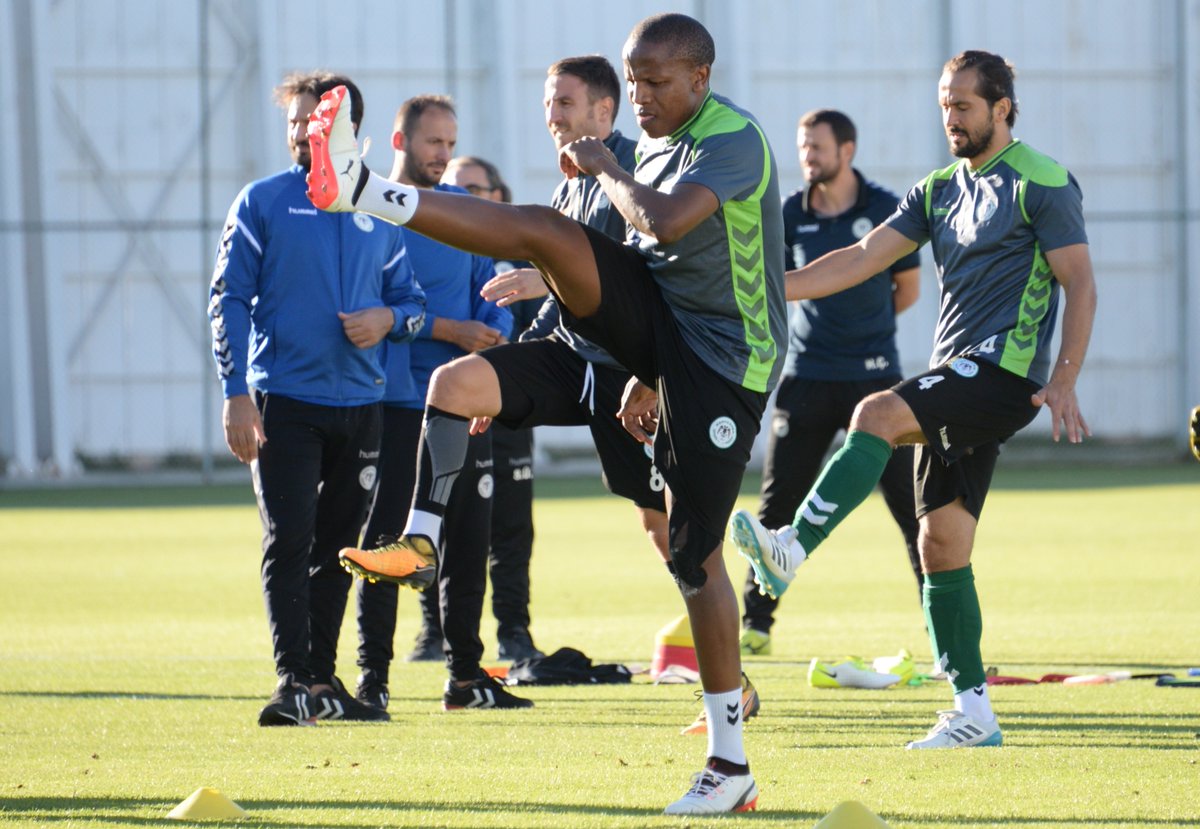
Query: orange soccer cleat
x=411, y=560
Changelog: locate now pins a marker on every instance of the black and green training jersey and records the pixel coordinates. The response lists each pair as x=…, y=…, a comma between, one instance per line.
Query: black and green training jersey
x=989, y=230
x=724, y=279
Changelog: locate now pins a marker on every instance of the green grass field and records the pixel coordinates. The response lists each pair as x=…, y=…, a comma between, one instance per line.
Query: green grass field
x=135, y=658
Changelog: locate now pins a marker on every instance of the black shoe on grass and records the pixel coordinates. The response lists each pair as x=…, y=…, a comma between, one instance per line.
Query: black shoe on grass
x=372, y=692
x=335, y=703
x=484, y=692
x=291, y=704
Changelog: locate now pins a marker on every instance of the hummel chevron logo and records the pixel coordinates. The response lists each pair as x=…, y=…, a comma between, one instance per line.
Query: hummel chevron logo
x=395, y=197
x=732, y=712
x=816, y=505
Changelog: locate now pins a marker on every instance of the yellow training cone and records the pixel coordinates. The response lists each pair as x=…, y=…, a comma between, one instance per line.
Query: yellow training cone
x=851, y=815
x=207, y=804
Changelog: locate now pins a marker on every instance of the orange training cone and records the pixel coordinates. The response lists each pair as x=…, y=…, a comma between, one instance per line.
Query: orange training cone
x=674, y=646
x=851, y=815
x=207, y=804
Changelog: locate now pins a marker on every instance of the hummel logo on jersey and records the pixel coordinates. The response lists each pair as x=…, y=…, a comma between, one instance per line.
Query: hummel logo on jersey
x=395, y=197
x=807, y=228
x=302, y=211
x=732, y=712
x=821, y=505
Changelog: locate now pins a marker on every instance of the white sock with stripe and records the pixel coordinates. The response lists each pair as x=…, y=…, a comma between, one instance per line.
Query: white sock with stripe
x=975, y=704
x=724, y=714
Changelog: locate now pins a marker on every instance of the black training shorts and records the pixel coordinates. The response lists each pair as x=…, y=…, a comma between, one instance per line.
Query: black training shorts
x=707, y=424
x=545, y=383
x=966, y=408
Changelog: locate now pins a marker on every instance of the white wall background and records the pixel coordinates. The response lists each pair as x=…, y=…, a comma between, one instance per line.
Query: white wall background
x=139, y=120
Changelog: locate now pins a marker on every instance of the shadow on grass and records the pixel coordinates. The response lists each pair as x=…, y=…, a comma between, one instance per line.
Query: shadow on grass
x=134, y=695
x=124, y=810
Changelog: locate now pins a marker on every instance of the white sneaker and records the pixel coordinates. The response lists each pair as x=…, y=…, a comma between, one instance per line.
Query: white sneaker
x=715, y=793
x=955, y=729
x=770, y=552
x=337, y=174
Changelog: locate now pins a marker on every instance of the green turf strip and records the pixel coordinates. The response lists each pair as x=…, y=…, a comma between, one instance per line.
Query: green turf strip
x=136, y=657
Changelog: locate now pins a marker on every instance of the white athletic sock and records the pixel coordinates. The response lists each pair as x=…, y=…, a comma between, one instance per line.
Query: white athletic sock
x=424, y=523
x=975, y=704
x=788, y=535
x=389, y=200
x=724, y=714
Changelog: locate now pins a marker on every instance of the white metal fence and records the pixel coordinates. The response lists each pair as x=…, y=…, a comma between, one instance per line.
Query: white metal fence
x=133, y=123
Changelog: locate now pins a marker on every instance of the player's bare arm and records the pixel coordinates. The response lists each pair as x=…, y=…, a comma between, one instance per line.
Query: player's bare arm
x=666, y=216
x=1072, y=266
x=849, y=266
x=906, y=287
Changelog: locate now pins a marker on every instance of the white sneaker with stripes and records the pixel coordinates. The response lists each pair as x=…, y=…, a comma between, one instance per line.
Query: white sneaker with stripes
x=955, y=729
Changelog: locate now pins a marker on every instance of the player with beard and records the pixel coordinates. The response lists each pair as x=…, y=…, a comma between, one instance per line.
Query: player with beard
x=1005, y=225
x=458, y=321
x=299, y=305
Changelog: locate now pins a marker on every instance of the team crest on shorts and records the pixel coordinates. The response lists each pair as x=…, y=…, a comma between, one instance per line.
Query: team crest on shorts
x=861, y=227
x=486, y=485
x=366, y=478
x=364, y=222
x=964, y=367
x=722, y=432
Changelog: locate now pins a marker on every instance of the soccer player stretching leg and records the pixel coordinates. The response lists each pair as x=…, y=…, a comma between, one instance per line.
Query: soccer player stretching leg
x=1005, y=225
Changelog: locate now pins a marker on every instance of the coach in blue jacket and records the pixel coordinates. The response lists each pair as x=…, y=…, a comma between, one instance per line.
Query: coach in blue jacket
x=299, y=304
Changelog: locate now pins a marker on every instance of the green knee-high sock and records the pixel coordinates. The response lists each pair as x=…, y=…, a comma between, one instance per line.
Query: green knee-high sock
x=845, y=483
x=955, y=626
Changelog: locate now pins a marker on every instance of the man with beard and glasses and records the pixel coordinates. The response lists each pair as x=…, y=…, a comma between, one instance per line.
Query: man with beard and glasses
x=300, y=304
x=458, y=321
x=1005, y=225
x=692, y=305
x=840, y=348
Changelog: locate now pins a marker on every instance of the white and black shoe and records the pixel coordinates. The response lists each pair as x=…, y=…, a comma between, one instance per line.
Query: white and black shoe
x=291, y=704
x=335, y=703
x=715, y=793
x=484, y=692
x=954, y=729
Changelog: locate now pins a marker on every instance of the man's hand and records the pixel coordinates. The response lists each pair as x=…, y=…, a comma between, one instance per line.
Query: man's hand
x=1059, y=395
x=479, y=425
x=469, y=335
x=514, y=286
x=584, y=156
x=243, y=428
x=639, y=411
x=367, y=327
